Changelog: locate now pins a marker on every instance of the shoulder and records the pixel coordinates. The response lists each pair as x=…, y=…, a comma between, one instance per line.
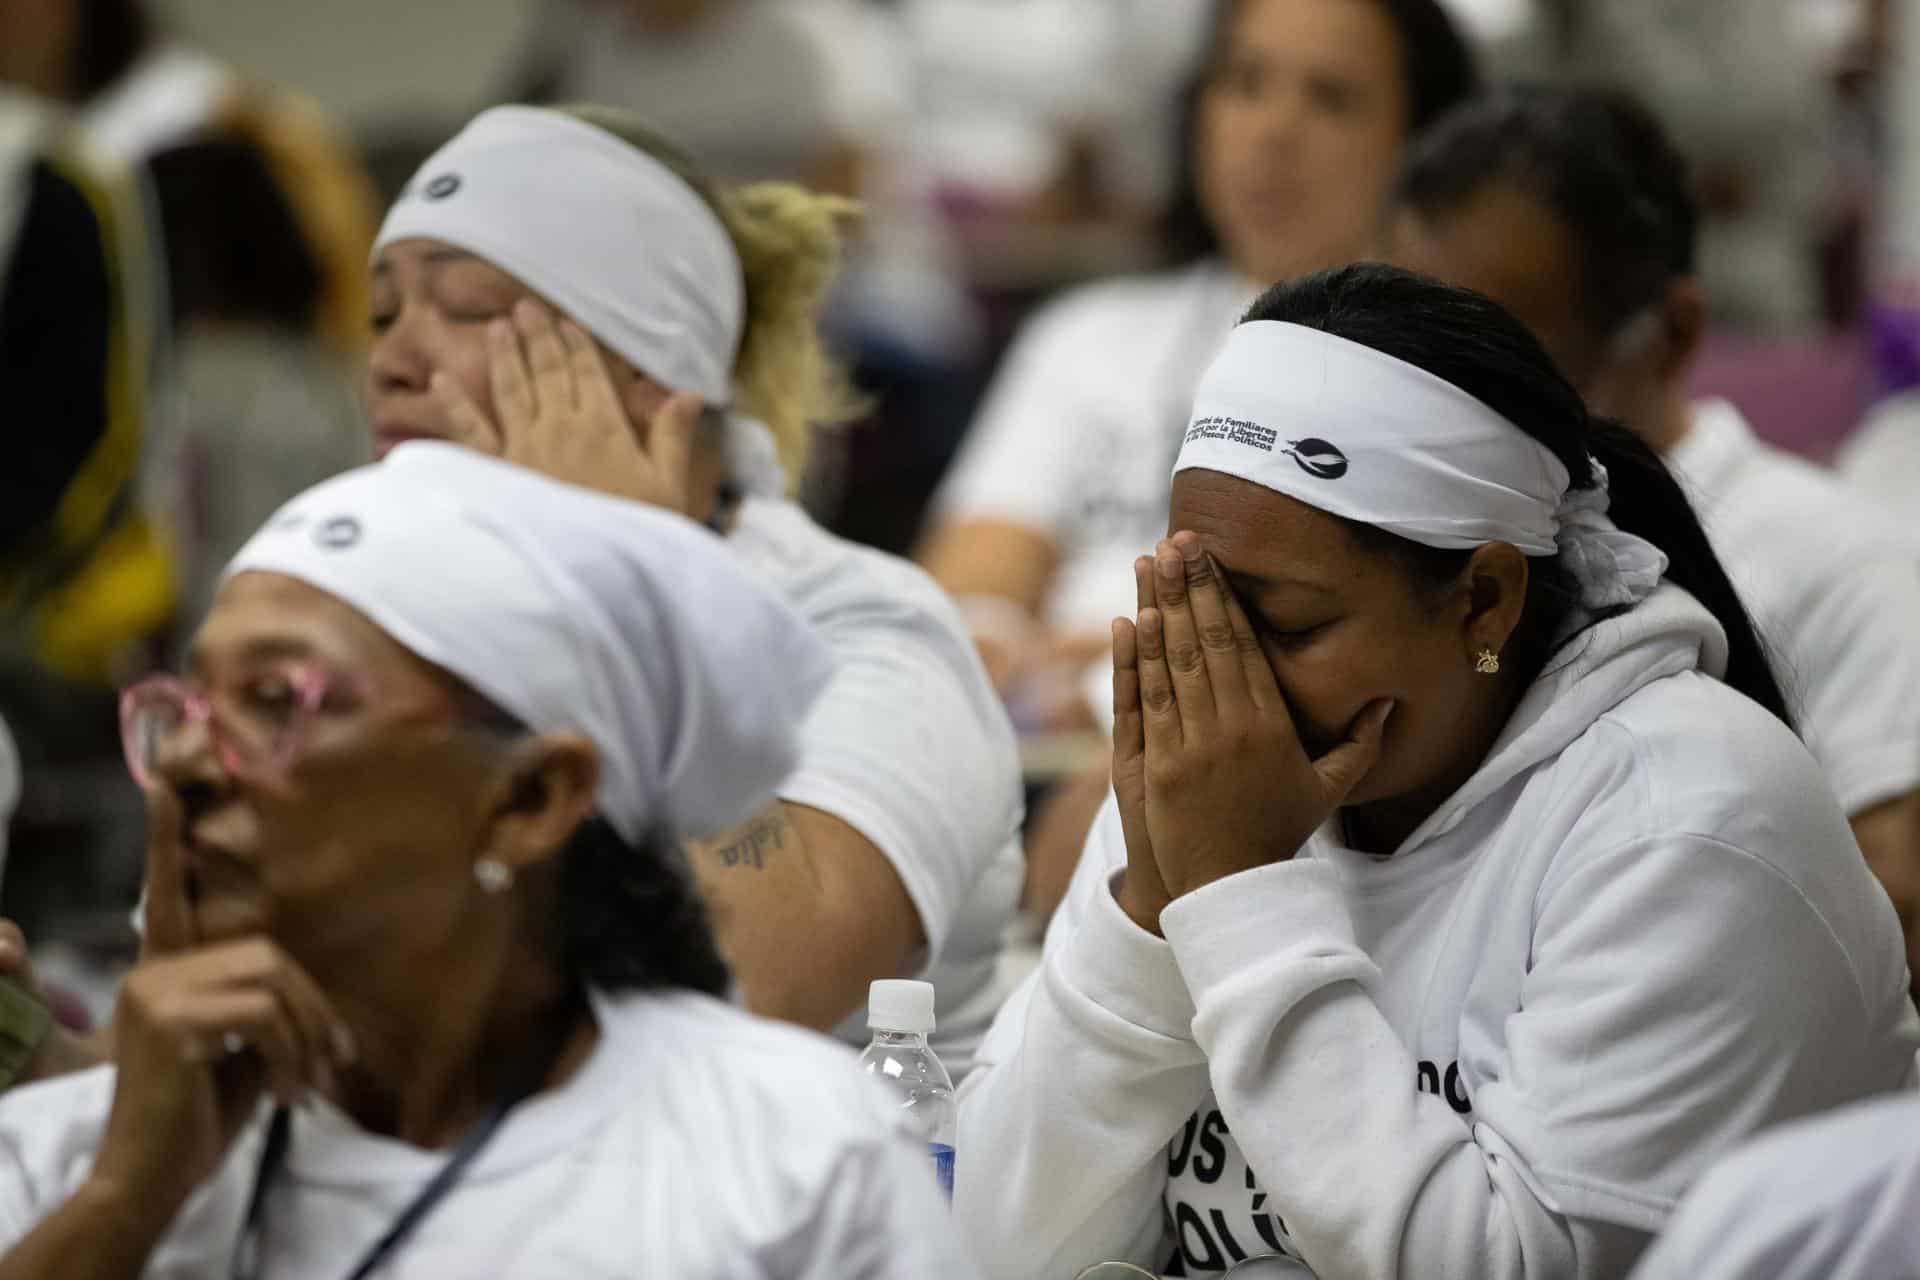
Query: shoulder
x=744, y=1082
x=48, y=1135
x=1828, y=1197
x=1792, y=524
x=838, y=585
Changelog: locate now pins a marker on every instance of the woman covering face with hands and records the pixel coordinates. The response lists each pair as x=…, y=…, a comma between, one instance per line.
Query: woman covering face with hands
x=430, y=993
x=566, y=291
x=1463, y=891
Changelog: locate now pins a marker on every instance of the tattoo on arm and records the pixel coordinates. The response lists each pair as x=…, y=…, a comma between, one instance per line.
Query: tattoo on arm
x=750, y=846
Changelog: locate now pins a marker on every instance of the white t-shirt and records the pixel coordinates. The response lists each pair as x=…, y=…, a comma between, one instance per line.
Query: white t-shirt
x=1882, y=458
x=1835, y=589
x=1078, y=434
x=1833, y=1198
x=696, y=1141
x=1640, y=932
x=909, y=746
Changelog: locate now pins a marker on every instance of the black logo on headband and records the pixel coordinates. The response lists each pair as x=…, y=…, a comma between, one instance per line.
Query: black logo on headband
x=443, y=186
x=338, y=533
x=1318, y=458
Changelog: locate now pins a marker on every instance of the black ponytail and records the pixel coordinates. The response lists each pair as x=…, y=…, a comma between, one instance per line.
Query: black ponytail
x=1469, y=341
x=632, y=918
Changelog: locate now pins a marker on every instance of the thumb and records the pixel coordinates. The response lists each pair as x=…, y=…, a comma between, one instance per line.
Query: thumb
x=1343, y=768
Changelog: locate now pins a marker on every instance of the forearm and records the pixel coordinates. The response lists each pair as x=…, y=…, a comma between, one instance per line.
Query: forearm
x=1087, y=1075
x=807, y=913
x=102, y=1232
x=1372, y=1176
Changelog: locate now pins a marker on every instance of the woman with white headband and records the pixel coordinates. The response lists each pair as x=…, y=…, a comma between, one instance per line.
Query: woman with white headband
x=1464, y=891
x=892, y=849
x=431, y=995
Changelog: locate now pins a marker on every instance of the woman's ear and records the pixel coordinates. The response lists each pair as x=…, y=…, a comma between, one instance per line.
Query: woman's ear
x=1495, y=581
x=546, y=790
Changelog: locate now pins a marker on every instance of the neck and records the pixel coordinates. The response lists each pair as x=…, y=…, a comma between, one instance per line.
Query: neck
x=1668, y=424
x=434, y=1057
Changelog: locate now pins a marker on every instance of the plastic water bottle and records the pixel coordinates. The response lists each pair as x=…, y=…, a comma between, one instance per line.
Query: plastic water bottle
x=900, y=1015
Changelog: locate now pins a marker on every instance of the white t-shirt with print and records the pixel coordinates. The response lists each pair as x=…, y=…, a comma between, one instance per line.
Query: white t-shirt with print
x=696, y=1142
x=909, y=746
x=1834, y=586
x=1638, y=934
x=1832, y=1198
x=1078, y=434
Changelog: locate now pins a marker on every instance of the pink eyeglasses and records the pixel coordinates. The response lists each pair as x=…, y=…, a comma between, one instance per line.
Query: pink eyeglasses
x=254, y=725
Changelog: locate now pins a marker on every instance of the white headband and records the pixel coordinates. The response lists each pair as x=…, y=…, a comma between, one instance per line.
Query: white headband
x=1362, y=435
x=610, y=236
x=571, y=611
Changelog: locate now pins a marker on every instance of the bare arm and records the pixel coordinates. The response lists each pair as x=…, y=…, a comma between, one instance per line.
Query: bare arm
x=100, y=1233
x=808, y=912
x=1889, y=836
x=972, y=557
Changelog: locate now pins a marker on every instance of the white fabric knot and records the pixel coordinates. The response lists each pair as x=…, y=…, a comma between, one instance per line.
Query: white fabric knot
x=1612, y=567
x=753, y=458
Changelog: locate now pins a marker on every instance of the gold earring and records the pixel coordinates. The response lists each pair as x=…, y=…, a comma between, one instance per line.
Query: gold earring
x=1487, y=662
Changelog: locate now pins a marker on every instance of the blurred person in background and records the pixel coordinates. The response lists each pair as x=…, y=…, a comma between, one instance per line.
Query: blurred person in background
x=263, y=216
x=1744, y=87
x=1574, y=210
x=1296, y=125
x=429, y=987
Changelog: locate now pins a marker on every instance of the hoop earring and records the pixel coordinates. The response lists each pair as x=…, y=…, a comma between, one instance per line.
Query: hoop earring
x=493, y=875
x=1487, y=662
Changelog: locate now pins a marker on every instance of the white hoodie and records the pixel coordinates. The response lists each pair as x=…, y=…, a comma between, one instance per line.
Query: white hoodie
x=1638, y=933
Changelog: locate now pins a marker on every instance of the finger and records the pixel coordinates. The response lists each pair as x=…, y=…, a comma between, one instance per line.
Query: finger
x=593, y=387
x=1142, y=583
x=1219, y=649
x=1182, y=643
x=514, y=404
x=1129, y=740
x=212, y=1023
x=670, y=439
x=169, y=917
x=13, y=953
x=553, y=389
x=1343, y=768
x=1263, y=690
x=323, y=1033
x=468, y=419
x=1160, y=713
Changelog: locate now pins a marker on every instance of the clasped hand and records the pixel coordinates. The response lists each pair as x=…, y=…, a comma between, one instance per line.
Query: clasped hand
x=1208, y=770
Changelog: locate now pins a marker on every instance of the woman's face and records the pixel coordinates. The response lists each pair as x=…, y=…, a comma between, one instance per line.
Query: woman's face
x=1300, y=130
x=371, y=820
x=1343, y=625
x=432, y=304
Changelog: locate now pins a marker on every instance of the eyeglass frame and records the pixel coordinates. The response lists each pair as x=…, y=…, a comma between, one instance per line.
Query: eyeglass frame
x=312, y=684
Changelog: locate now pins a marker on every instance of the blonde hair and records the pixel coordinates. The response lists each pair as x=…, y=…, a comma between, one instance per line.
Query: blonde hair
x=788, y=239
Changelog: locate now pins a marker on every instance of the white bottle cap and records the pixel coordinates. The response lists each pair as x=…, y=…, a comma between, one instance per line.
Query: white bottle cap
x=900, y=1004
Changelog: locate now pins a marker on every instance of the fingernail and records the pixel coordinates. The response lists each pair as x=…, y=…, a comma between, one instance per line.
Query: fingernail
x=1168, y=564
x=1188, y=547
x=344, y=1049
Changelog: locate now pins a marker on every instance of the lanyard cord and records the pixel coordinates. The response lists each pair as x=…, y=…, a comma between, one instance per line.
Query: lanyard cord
x=247, y=1257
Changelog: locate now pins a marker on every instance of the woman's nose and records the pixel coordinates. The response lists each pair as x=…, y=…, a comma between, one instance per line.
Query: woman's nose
x=397, y=360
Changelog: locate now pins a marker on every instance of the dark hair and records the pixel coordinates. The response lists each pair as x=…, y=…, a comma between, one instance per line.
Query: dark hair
x=1469, y=341
x=111, y=36
x=632, y=917
x=1439, y=72
x=1598, y=159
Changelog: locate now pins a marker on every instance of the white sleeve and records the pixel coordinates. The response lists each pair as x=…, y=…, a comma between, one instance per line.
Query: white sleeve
x=1829, y=1199
x=1681, y=995
x=1858, y=671
x=1022, y=458
x=1086, y=1076
x=903, y=751
x=881, y=1218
